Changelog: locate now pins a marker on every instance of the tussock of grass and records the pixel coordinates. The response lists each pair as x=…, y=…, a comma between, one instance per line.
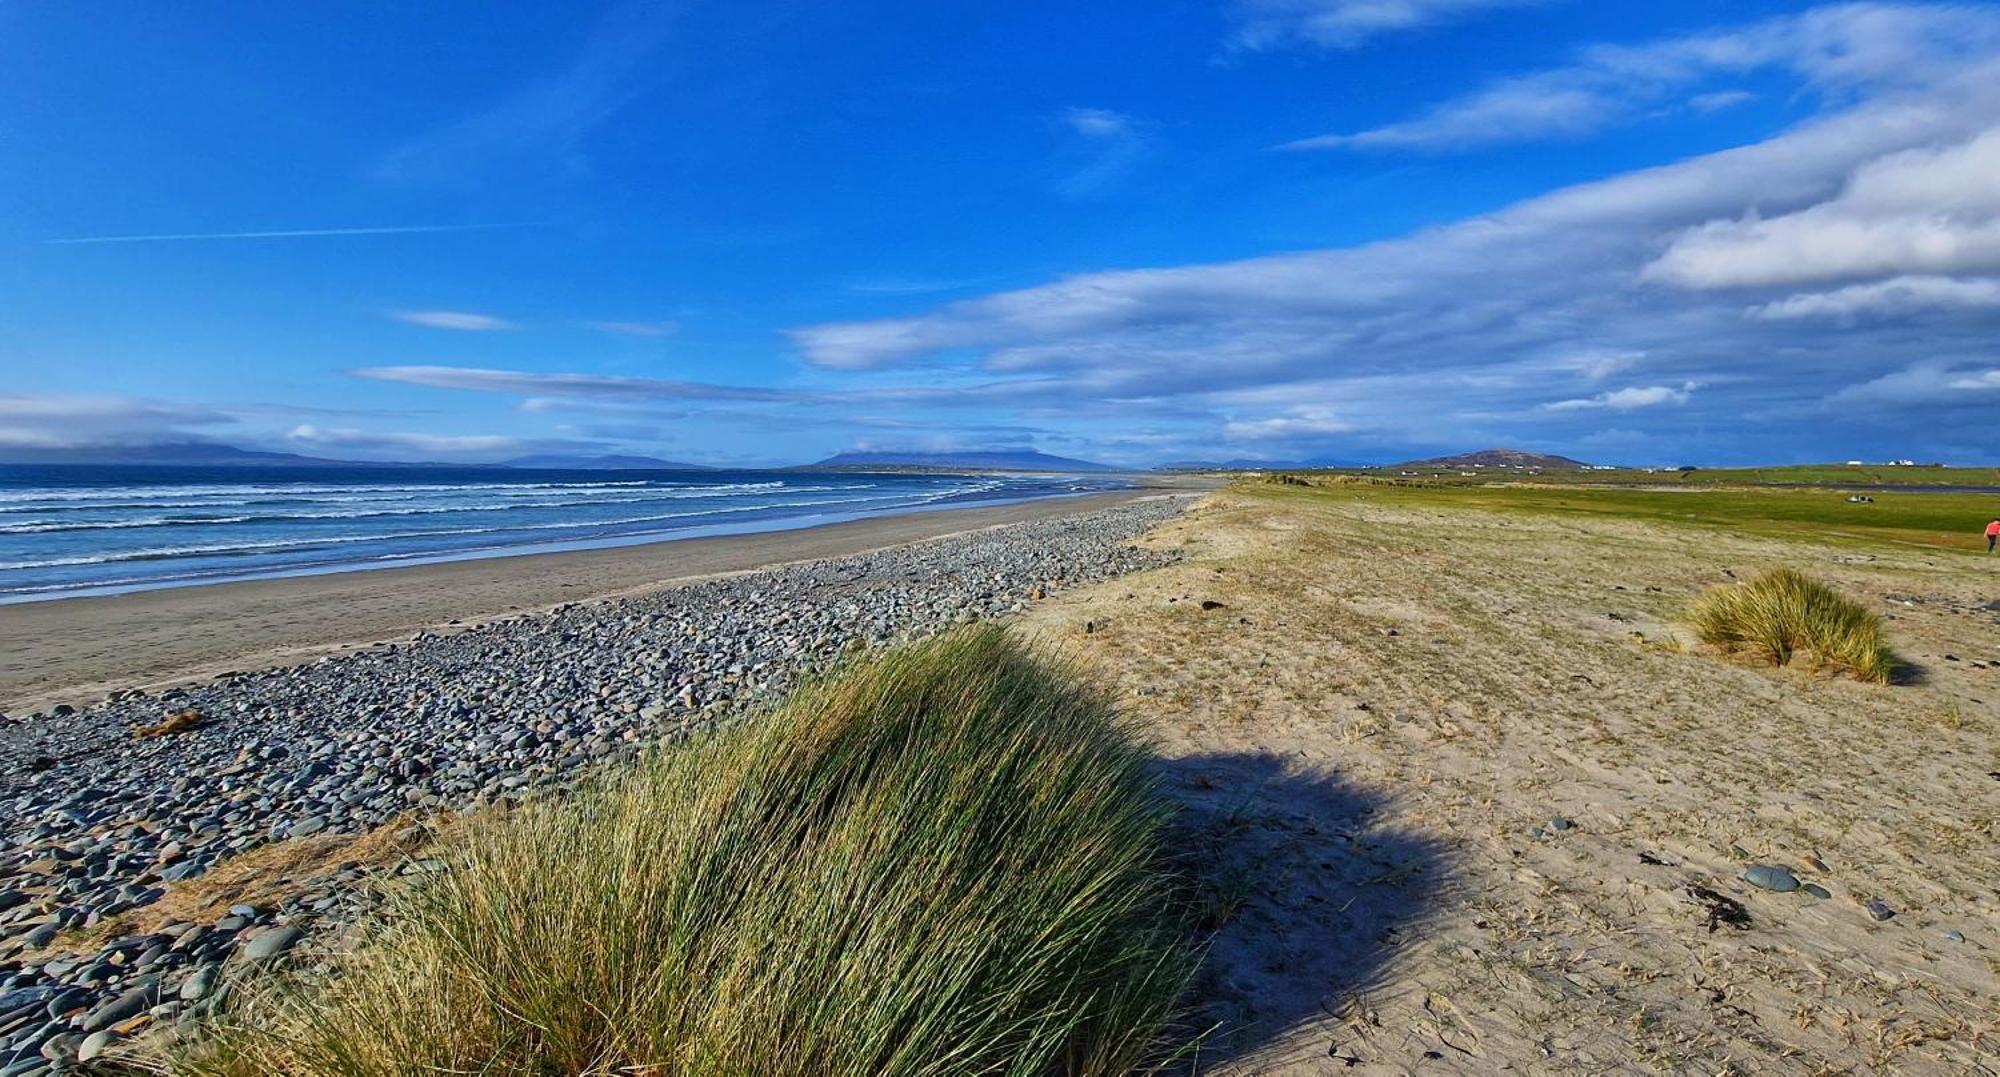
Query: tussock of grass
x=945, y=861
x=1782, y=614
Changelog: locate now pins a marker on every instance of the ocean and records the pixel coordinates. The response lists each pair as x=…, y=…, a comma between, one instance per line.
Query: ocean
x=86, y=529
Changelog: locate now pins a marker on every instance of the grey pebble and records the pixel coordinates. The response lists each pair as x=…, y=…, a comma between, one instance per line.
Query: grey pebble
x=1879, y=909
x=1816, y=890
x=130, y=1004
x=196, y=987
x=1771, y=877
x=271, y=944
x=94, y=1044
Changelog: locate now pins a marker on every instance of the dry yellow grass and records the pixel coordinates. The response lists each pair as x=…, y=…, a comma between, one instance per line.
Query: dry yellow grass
x=1782, y=614
x=946, y=860
x=177, y=722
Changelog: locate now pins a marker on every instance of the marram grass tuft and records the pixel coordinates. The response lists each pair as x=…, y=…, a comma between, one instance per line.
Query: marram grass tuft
x=1783, y=614
x=946, y=860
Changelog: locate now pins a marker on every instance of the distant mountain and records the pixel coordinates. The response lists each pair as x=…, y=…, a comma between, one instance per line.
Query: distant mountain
x=1241, y=464
x=560, y=462
x=1023, y=460
x=189, y=454
x=1500, y=458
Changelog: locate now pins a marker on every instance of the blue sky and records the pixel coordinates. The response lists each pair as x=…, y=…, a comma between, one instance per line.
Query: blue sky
x=1343, y=230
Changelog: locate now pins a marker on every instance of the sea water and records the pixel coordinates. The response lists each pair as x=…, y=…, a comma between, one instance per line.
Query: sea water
x=76, y=529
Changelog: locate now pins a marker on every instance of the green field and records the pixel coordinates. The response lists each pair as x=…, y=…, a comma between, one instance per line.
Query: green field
x=1945, y=520
x=1835, y=475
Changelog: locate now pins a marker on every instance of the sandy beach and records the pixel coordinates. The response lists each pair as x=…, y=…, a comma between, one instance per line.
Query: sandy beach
x=76, y=650
x=1483, y=799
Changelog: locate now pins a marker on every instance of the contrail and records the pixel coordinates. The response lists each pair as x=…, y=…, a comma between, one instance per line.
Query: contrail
x=286, y=234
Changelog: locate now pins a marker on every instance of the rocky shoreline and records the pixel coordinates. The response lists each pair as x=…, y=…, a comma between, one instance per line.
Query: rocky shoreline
x=105, y=807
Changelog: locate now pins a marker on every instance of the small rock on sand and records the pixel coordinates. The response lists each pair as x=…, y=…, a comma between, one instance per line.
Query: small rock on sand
x=1771, y=877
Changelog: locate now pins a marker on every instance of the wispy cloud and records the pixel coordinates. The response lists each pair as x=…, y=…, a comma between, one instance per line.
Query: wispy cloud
x=637, y=329
x=286, y=233
x=59, y=420
x=548, y=120
x=1105, y=147
x=527, y=383
x=1628, y=399
x=1467, y=332
x=1264, y=24
x=463, y=321
x=1097, y=122
x=1299, y=424
x=346, y=439
x=1929, y=211
x=1836, y=49
x=1720, y=100
x=911, y=285
x=1890, y=298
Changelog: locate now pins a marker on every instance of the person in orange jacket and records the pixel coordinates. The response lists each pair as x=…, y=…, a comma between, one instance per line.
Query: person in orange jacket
x=1992, y=535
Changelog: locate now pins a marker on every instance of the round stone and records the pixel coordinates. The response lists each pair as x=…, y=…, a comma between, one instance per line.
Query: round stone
x=271, y=944
x=1771, y=877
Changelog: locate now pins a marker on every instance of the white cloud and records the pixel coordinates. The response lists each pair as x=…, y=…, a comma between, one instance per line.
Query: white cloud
x=1927, y=211
x=53, y=421
x=463, y=321
x=1299, y=424
x=1104, y=146
x=546, y=121
x=1267, y=24
x=527, y=383
x=342, y=438
x=1720, y=100
x=1837, y=49
x=637, y=329
x=1936, y=385
x=1463, y=333
x=1097, y=122
x=1510, y=112
x=1628, y=399
x=1889, y=298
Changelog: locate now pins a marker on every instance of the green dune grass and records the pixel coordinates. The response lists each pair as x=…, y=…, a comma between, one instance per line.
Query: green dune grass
x=947, y=860
x=1781, y=615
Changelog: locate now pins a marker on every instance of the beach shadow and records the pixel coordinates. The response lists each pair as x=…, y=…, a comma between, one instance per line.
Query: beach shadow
x=1908, y=674
x=1305, y=896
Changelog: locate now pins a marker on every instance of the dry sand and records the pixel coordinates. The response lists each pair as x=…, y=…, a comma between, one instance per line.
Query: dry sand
x=1391, y=703
x=75, y=650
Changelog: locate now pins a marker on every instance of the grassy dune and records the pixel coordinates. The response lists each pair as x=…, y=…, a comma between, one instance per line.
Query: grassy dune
x=1782, y=614
x=947, y=860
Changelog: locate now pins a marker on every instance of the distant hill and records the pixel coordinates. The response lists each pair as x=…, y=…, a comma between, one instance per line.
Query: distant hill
x=1242, y=464
x=560, y=462
x=1500, y=458
x=189, y=454
x=1023, y=460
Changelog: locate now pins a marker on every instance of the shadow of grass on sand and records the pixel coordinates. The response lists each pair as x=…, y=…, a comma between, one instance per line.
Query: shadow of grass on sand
x=1306, y=896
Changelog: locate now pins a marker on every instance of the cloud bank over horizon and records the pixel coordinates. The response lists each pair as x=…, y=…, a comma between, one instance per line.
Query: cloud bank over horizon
x=1806, y=265
x=1856, y=246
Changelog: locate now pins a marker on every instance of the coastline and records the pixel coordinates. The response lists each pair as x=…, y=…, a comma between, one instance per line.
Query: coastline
x=76, y=650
